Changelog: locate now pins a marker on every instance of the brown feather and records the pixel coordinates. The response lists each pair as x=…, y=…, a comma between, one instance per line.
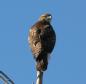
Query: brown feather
x=42, y=41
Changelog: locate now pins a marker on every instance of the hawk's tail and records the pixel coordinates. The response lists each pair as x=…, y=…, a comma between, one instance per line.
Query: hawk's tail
x=42, y=64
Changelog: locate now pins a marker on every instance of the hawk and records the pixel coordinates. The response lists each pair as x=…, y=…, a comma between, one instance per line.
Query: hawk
x=42, y=40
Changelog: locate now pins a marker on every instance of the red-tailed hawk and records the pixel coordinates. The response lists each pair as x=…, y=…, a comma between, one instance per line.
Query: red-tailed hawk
x=42, y=39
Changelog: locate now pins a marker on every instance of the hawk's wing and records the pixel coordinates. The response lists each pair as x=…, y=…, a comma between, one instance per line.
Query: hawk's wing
x=48, y=38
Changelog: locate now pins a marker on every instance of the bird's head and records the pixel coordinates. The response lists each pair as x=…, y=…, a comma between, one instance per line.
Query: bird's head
x=47, y=17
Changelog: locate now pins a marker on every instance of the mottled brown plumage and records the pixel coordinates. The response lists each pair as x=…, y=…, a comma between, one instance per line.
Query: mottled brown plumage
x=42, y=40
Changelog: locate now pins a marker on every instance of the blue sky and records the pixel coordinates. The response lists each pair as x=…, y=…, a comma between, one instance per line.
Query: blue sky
x=68, y=60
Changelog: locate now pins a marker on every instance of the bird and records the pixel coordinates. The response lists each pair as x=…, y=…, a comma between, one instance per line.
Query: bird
x=42, y=39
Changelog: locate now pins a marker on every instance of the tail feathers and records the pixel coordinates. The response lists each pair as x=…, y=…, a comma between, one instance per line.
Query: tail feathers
x=42, y=64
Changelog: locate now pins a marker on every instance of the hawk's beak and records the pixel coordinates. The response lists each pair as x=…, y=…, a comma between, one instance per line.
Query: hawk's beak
x=49, y=17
